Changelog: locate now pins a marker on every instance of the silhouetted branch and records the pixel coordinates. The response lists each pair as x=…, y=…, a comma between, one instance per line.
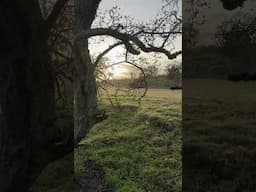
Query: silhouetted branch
x=128, y=40
x=100, y=56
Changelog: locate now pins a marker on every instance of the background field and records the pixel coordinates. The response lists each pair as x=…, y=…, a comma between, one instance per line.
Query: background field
x=219, y=119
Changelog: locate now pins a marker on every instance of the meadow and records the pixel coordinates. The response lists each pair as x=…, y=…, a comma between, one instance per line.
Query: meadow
x=138, y=147
x=219, y=136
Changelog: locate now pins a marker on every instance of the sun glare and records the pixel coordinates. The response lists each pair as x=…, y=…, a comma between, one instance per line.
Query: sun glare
x=118, y=71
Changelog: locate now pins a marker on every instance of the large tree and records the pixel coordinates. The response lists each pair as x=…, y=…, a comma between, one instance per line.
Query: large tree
x=135, y=39
x=27, y=101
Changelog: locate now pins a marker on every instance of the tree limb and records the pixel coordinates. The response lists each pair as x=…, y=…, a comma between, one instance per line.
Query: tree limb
x=128, y=40
x=100, y=56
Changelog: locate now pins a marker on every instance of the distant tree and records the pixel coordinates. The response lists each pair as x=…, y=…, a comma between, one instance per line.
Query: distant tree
x=174, y=73
x=236, y=38
x=151, y=71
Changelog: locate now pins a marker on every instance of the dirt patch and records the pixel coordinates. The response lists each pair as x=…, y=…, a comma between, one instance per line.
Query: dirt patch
x=92, y=180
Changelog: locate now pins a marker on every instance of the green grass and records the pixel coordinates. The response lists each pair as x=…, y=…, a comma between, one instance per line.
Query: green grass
x=219, y=136
x=139, y=147
x=56, y=177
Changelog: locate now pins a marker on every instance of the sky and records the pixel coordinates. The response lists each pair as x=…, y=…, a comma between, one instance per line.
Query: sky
x=143, y=10
x=215, y=15
x=140, y=10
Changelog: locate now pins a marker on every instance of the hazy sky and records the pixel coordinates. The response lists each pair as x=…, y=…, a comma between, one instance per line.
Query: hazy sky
x=140, y=10
x=215, y=15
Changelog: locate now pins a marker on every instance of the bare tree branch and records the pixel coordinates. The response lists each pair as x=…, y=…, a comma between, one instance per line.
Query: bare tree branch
x=144, y=76
x=100, y=56
x=128, y=40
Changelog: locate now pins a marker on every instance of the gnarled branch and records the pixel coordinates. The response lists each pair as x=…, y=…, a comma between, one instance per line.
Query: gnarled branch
x=128, y=40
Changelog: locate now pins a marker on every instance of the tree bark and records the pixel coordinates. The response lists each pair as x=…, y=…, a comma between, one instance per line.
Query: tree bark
x=27, y=109
x=85, y=94
x=85, y=104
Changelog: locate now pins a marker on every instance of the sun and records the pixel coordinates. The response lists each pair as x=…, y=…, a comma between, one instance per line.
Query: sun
x=118, y=71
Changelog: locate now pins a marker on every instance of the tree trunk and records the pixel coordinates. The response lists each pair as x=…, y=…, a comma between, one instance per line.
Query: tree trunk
x=27, y=100
x=85, y=106
x=85, y=95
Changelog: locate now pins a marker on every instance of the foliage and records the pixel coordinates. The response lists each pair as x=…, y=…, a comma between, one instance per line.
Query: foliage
x=237, y=38
x=151, y=71
x=175, y=73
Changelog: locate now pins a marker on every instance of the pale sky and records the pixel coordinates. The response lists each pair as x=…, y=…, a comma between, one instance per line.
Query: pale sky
x=215, y=15
x=140, y=10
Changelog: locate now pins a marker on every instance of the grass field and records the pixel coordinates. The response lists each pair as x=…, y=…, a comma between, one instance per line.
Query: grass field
x=219, y=136
x=139, y=145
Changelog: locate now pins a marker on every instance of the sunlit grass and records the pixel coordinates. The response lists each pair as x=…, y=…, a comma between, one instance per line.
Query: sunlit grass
x=138, y=147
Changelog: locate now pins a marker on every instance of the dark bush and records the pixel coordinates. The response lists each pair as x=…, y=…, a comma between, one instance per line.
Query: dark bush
x=176, y=87
x=243, y=76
